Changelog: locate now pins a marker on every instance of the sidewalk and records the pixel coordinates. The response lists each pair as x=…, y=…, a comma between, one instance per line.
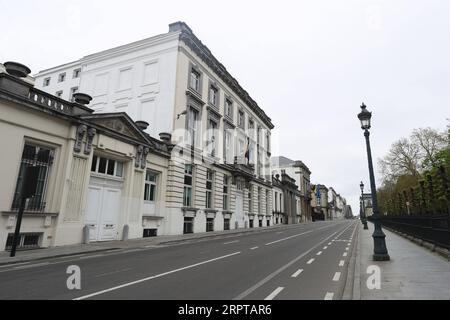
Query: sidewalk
x=413, y=273
x=54, y=252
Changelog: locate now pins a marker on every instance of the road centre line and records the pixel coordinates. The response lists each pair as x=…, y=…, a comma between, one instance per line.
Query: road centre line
x=154, y=277
x=274, y=293
x=281, y=269
x=254, y=248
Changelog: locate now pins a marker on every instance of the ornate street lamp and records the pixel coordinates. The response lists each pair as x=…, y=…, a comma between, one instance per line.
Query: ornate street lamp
x=380, y=252
x=363, y=209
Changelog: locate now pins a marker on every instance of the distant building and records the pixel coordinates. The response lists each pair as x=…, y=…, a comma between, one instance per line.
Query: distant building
x=289, y=195
x=301, y=174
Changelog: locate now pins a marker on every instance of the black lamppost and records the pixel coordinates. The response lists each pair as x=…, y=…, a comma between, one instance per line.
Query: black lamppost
x=380, y=252
x=363, y=209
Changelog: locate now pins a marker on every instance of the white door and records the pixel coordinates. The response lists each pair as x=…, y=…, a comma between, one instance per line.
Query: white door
x=102, y=212
x=240, y=209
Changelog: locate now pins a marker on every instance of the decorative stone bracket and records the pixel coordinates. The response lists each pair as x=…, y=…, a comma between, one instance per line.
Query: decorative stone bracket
x=81, y=130
x=141, y=157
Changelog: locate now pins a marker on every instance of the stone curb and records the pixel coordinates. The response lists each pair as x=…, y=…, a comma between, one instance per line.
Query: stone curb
x=352, y=289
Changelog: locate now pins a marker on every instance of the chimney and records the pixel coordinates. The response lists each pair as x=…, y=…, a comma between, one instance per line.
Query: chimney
x=143, y=125
x=165, y=137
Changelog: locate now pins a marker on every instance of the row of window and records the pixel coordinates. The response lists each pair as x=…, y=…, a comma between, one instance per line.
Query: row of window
x=209, y=193
x=195, y=83
x=62, y=77
x=245, y=149
x=72, y=92
x=188, y=225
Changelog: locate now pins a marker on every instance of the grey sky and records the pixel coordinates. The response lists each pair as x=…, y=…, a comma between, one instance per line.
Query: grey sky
x=309, y=64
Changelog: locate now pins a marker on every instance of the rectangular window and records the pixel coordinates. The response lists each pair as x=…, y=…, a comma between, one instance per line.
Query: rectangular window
x=209, y=224
x=26, y=241
x=107, y=166
x=209, y=189
x=188, y=226
x=228, y=146
x=188, y=182
x=213, y=95
x=194, y=80
x=62, y=77
x=76, y=73
x=276, y=202
x=250, y=202
x=47, y=82
x=259, y=200
x=41, y=157
x=212, y=133
x=72, y=92
x=229, y=108
x=241, y=119
x=225, y=193
x=150, y=186
x=193, y=126
x=226, y=224
x=59, y=94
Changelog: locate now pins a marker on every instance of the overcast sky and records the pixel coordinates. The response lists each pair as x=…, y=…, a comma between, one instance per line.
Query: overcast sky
x=308, y=64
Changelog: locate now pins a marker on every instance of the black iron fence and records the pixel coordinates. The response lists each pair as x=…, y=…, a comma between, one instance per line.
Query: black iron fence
x=424, y=210
x=434, y=229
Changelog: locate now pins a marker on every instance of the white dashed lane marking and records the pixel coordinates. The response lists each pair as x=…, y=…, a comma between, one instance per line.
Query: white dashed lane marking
x=274, y=293
x=345, y=254
x=310, y=261
x=319, y=253
x=296, y=274
x=235, y=241
x=341, y=263
x=337, y=276
x=325, y=248
x=329, y=296
x=254, y=248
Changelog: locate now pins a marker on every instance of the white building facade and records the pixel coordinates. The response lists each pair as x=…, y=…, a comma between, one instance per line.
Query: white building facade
x=219, y=175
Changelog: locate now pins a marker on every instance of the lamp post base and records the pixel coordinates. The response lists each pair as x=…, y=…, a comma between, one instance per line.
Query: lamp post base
x=381, y=257
x=380, y=252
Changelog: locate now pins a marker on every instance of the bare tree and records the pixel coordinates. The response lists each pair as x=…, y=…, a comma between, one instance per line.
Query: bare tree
x=430, y=142
x=402, y=159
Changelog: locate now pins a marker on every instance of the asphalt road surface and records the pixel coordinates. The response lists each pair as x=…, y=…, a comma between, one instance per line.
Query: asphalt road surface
x=305, y=261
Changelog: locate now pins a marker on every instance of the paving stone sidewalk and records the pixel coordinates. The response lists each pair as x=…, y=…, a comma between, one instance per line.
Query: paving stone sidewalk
x=54, y=252
x=413, y=273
